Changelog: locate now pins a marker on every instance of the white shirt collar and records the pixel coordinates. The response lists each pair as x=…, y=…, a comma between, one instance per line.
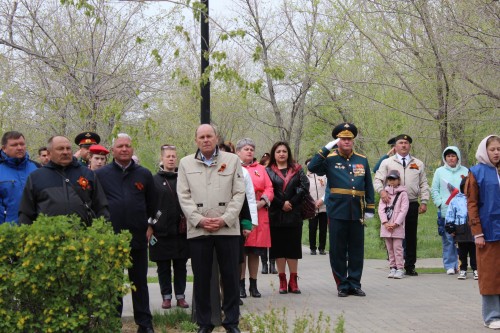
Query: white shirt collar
x=400, y=158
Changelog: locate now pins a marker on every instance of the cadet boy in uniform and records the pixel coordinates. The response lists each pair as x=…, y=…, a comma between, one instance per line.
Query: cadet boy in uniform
x=84, y=141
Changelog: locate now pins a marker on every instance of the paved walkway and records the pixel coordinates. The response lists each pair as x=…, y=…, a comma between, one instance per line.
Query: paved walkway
x=426, y=303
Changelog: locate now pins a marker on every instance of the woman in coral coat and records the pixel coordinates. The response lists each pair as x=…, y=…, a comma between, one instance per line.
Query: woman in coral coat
x=259, y=239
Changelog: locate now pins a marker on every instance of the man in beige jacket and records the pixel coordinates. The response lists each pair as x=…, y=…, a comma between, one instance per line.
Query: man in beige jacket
x=211, y=192
x=412, y=171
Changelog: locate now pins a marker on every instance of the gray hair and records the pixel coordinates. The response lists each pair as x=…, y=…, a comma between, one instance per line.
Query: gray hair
x=121, y=136
x=245, y=142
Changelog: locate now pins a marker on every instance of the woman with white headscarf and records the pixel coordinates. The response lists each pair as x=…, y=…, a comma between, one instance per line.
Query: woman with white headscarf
x=483, y=204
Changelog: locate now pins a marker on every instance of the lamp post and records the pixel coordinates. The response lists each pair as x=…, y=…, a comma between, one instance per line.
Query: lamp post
x=205, y=41
x=205, y=87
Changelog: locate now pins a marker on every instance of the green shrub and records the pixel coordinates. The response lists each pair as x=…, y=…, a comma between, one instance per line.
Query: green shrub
x=58, y=276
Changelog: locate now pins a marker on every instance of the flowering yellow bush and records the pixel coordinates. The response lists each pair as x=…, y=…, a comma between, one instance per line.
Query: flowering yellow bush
x=59, y=276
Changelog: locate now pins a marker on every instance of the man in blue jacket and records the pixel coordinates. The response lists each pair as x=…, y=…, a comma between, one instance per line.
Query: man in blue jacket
x=15, y=167
x=131, y=194
x=62, y=187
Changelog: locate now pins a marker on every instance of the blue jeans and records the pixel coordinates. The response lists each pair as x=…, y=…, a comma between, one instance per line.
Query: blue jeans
x=491, y=308
x=450, y=255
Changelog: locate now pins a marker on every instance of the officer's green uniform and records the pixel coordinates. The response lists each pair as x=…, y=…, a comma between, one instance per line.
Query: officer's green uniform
x=351, y=195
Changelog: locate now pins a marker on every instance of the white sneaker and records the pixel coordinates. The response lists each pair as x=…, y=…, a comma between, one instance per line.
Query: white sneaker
x=391, y=273
x=462, y=275
x=494, y=325
x=450, y=271
x=475, y=275
x=399, y=274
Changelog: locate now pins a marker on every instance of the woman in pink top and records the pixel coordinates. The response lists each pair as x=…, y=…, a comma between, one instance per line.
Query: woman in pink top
x=259, y=239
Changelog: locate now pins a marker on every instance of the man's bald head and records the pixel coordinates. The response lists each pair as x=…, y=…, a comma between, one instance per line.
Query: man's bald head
x=59, y=148
x=206, y=139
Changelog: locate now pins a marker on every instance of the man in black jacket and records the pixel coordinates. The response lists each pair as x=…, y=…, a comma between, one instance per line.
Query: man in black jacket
x=132, y=201
x=62, y=187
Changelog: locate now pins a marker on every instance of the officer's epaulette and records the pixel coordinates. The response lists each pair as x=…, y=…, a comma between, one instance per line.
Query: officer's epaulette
x=359, y=155
x=333, y=153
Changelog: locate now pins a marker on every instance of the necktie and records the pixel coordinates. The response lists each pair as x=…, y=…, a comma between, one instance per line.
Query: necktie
x=404, y=162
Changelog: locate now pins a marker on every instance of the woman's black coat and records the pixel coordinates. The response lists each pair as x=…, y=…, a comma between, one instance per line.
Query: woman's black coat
x=294, y=192
x=171, y=244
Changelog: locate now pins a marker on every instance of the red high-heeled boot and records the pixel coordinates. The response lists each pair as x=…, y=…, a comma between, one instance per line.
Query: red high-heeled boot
x=293, y=286
x=282, y=277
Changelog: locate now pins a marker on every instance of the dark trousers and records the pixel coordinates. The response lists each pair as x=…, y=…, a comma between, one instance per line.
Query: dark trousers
x=137, y=274
x=347, y=240
x=320, y=220
x=464, y=249
x=227, y=251
x=411, y=224
x=164, y=271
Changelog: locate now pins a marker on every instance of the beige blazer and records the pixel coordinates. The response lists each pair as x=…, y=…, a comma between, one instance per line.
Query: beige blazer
x=216, y=190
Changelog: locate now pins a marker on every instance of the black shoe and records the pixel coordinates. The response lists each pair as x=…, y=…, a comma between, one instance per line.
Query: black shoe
x=313, y=252
x=142, y=329
x=243, y=293
x=265, y=268
x=411, y=272
x=322, y=252
x=357, y=292
x=205, y=329
x=241, y=302
x=343, y=293
x=254, y=292
x=272, y=267
x=233, y=330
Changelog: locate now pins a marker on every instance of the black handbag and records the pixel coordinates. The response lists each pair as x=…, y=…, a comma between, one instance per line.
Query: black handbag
x=463, y=233
x=308, y=207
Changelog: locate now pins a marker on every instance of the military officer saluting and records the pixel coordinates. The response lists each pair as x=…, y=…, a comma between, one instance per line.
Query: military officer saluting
x=84, y=141
x=351, y=199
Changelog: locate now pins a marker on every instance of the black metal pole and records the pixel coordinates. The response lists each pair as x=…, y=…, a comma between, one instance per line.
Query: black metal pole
x=205, y=119
x=205, y=87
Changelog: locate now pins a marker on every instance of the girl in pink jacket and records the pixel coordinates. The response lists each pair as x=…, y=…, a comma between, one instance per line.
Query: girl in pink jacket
x=393, y=217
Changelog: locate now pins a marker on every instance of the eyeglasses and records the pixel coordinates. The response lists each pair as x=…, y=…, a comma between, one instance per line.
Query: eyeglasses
x=167, y=147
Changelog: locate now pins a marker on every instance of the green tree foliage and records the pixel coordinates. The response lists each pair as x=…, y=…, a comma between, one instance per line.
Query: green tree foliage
x=58, y=276
x=279, y=70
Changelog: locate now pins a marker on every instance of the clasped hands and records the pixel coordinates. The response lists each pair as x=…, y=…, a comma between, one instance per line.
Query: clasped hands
x=212, y=224
x=390, y=226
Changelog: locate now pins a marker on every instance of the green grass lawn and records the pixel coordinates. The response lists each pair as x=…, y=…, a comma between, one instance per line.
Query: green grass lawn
x=429, y=242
